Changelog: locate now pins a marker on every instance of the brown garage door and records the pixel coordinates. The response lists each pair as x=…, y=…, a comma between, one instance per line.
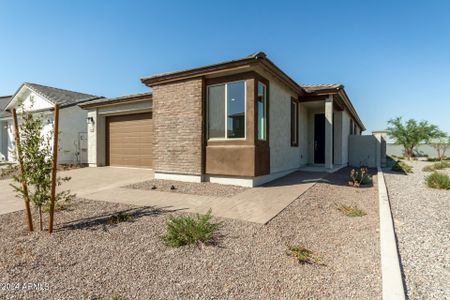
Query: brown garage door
x=129, y=140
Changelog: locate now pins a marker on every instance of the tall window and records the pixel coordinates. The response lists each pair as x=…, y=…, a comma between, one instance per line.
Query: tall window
x=226, y=110
x=294, y=122
x=262, y=113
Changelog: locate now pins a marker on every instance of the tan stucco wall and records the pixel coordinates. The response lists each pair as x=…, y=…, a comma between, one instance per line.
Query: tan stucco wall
x=337, y=137
x=282, y=155
x=345, y=136
x=72, y=127
x=362, y=150
x=303, y=135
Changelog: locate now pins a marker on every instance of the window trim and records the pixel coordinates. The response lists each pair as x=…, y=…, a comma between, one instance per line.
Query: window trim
x=265, y=111
x=226, y=138
x=296, y=104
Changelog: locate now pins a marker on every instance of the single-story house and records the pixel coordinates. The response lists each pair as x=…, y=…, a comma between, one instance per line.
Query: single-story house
x=42, y=99
x=243, y=122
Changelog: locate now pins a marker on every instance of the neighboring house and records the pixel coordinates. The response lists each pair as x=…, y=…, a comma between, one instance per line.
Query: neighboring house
x=241, y=122
x=42, y=99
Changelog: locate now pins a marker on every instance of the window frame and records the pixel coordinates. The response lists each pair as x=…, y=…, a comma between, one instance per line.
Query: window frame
x=226, y=138
x=296, y=104
x=265, y=111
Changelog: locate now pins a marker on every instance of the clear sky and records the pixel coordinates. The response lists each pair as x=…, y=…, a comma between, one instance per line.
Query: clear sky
x=392, y=56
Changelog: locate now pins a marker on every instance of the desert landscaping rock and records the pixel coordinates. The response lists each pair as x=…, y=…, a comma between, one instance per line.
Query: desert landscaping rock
x=88, y=259
x=202, y=189
x=421, y=219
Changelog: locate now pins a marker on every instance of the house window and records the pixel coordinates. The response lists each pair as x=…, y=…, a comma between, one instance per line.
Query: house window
x=294, y=122
x=262, y=112
x=226, y=110
x=351, y=127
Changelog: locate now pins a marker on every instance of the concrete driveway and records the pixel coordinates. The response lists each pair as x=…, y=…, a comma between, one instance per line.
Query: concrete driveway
x=84, y=182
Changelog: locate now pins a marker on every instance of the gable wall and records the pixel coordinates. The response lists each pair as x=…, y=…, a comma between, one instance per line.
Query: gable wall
x=32, y=101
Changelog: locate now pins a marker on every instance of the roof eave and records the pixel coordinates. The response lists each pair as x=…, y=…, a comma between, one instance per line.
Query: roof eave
x=259, y=58
x=351, y=108
x=140, y=98
x=197, y=72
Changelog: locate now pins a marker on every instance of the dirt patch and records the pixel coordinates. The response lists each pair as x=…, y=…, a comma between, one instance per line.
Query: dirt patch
x=201, y=189
x=87, y=257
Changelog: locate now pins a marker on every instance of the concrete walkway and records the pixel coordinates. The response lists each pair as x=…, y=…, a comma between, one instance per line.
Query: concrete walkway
x=84, y=182
x=258, y=205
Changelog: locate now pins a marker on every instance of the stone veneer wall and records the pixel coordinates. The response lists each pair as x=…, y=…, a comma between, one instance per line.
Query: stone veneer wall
x=177, y=117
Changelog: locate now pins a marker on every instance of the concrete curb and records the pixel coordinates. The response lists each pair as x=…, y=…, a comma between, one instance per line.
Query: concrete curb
x=392, y=283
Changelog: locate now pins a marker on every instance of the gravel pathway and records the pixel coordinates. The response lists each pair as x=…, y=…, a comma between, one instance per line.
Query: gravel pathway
x=87, y=258
x=202, y=189
x=422, y=225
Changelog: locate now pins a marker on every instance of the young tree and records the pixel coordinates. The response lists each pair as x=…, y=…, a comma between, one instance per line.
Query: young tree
x=37, y=164
x=411, y=133
x=441, y=144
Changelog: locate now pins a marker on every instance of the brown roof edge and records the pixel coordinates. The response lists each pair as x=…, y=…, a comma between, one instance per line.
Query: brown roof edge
x=339, y=90
x=351, y=108
x=259, y=57
x=117, y=100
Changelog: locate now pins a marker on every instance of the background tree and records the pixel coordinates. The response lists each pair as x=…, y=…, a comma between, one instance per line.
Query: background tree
x=37, y=164
x=411, y=133
x=441, y=144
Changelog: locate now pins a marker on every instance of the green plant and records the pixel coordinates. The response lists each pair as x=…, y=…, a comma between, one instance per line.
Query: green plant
x=187, y=230
x=37, y=164
x=438, y=181
x=360, y=177
x=302, y=255
x=401, y=166
x=441, y=143
x=119, y=218
x=436, y=166
x=437, y=159
x=350, y=211
x=429, y=168
x=412, y=133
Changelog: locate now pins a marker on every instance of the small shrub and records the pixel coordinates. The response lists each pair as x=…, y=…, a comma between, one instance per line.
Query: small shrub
x=436, y=166
x=429, y=168
x=438, y=181
x=302, y=255
x=441, y=165
x=401, y=166
x=360, y=177
x=119, y=218
x=433, y=159
x=186, y=230
x=351, y=211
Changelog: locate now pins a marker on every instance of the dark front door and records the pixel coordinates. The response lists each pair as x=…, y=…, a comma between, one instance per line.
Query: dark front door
x=319, y=139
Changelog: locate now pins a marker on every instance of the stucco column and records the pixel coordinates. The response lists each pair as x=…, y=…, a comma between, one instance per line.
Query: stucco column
x=329, y=132
x=381, y=147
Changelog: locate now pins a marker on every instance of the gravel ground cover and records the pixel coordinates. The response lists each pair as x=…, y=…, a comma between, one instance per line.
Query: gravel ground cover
x=88, y=258
x=202, y=188
x=422, y=225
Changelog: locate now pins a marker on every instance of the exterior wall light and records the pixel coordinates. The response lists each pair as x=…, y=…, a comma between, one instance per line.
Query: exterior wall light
x=90, y=120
